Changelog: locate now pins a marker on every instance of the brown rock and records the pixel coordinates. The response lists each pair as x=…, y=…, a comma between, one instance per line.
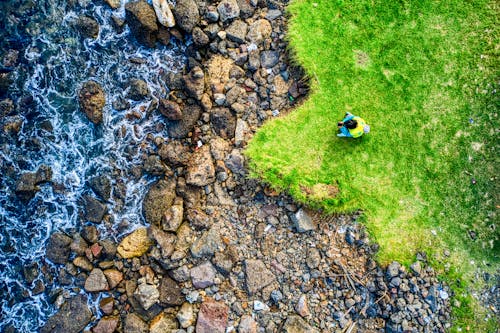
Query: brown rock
x=295, y=324
x=186, y=14
x=163, y=323
x=96, y=281
x=92, y=100
x=135, y=244
x=171, y=110
x=259, y=31
x=165, y=240
x=199, y=37
x=134, y=324
x=194, y=83
x=180, y=129
x=158, y=200
x=141, y=18
x=247, y=325
x=83, y=263
x=106, y=325
x=200, y=169
x=170, y=292
x=107, y=305
x=212, y=317
x=174, y=153
x=75, y=308
x=223, y=122
x=257, y=276
x=113, y=276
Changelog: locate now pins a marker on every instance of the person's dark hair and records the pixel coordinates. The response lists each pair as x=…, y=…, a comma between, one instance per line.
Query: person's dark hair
x=351, y=124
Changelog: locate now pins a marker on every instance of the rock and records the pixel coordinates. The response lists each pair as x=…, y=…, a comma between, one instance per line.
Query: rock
x=194, y=83
x=106, y=305
x=134, y=324
x=302, y=308
x=236, y=162
x=180, y=274
x=241, y=133
x=223, y=262
x=27, y=184
x=273, y=14
x=212, y=317
x=173, y=217
x=158, y=201
x=198, y=219
x=259, y=31
x=199, y=37
x=207, y=244
x=223, y=122
x=92, y=100
x=87, y=26
x=96, y=281
x=135, y=244
x=260, y=306
x=181, y=128
x=141, y=18
x=83, y=263
x=185, y=315
x=58, y=248
x=186, y=14
x=200, y=169
x=163, y=323
x=416, y=268
x=75, y=308
x=247, y=325
x=138, y=89
x=313, y=258
x=94, y=209
x=114, y=277
x=120, y=104
x=164, y=35
x=257, y=276
x=237, y=31
x=174, y=153
x=171, y=110
x=170, y=292
x=147, y=294
x=295, y=324
x=101, y=185
x=166, y=241
x=114, y=3
x=393, y=270
x=163, y=13
x=106, y=325
x=303, y=221
x=228, y=9
x=30, y=272
x=269, y=59
x=154, y=166
x=203, y=275
x=5, y=82
x=247, y=9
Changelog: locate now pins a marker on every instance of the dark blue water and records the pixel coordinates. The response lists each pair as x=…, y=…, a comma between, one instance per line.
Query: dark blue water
x=53, y=62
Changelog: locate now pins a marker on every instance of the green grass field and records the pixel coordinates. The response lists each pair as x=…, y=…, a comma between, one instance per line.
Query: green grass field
x=424, y=75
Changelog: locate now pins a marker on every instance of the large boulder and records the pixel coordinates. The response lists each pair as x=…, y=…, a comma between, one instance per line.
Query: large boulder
x=141, y=18
x=135, y=244
x=201, y=169
x=163, y=13
x=181, y=128
x=92, y=100
x=158, y=200
x=186, y=14
x=58, y=248
x=73, y=317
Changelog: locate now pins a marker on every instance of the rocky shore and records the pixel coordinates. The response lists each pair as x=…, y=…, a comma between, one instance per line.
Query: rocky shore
x=221, y=252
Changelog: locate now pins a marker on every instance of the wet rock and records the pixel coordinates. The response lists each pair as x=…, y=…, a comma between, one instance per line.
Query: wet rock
x=199, y=37
x=113, y=276
x=141, y=18
x=106, y=325
x=106, y=305
x=207, y=244
x=269, y=59
x=134, y=324
x=83, y=263
x=259, y=31
x=101, y=185
x=138, y=90
x=163, y=13
x=163, y=323
x=58, y=248
x=181, y=128
x=203, y=275
x=113, y=3
x=194, y=83
x=223, y=122
x=186, y=14
x=92, y=100
x=30, y=272
x=185, y=315
x=257, y=275
x=303, y=222
x=5, y=82
x=135, y=244
x=96, y=281
x=6, y=107
x=200, y=169
x=147, y=294
x=154, y=166
x=94, y=209
x=237, y=31
x=90, y=234
x=87, y=26
x=170, y=292
x=174, y=216
x=212, y=317
x=166, y=241
x=120, y=104
x=228, y=10
x=174, y=153
x=171, y=110
x=74, y=308
x=26, y=186
x=295, y=324
x=158, y=201
x=247, y=325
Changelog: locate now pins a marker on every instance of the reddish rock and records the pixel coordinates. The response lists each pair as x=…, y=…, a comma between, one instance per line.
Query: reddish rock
x=107, y=305
x=114, y=277
x=96, y=250
x=106, y=325
x=212, y=317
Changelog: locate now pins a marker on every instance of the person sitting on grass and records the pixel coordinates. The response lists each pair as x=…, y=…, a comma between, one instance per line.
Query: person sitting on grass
x=352, y=126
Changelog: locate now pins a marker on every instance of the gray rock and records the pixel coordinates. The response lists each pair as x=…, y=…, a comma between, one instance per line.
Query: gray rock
x=313, y=258
x=94, y=209
x=200, y=169
x=75, y=308
x=207, y=244
x=87, y=26
x=96, y=281
x=194, y=83
x=247, y=9
x=141, y=18
x=134, y=324
x=147, y=294
x=228, y=10
x=393, y=270
x=58, y=248
x=158, y=200
x=241, y=133
x=180, y=274
x=273, y=14
x=416, y=268
x=154, y=166
x=203, y=275
x=139, y=90
x=101, y=185
x=186, y=14
x=257, y=276
x=199, y=37
x=259, y=31
x=269, y=59
x=253, y=60
x=303, y=221
x=212, y=15
x=237, y=31
x=223, y=122
x=295, y=324
x=172, y=219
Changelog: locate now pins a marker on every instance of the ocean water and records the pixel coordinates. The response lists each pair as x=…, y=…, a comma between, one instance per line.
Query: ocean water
x=54, y=61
